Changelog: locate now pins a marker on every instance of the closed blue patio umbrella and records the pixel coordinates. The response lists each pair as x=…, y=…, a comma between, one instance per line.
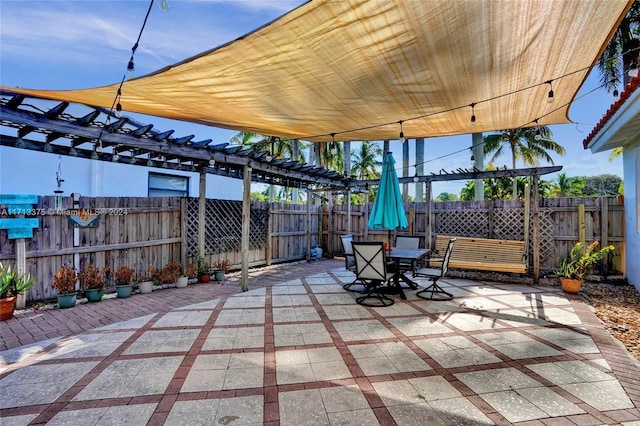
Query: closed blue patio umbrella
x=388, y=210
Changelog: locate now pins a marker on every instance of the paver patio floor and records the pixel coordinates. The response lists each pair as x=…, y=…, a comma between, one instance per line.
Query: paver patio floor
x=297, y=350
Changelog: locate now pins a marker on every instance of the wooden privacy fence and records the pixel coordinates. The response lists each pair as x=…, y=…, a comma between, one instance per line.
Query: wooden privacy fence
x=134, y=232
x=563, y=222
x=137, y=232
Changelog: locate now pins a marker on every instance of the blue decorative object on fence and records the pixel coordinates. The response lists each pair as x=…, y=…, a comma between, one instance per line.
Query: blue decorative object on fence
x=19, y=204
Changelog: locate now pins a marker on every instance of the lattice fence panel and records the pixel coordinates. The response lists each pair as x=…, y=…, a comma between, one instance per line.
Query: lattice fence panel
x=470, y=223
x=223, y=227
x=192, y=227
x=508, y=224
x=547, y=239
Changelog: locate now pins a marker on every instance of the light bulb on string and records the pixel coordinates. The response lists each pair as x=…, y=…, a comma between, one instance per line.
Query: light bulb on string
x=416, y=179
x=473, y=115
x=401, y=138
x=550, y=94
x=538, y=135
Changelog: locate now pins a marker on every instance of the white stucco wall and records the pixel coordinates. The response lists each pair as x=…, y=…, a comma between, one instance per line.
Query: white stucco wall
x=32, y=172
x=631, y=162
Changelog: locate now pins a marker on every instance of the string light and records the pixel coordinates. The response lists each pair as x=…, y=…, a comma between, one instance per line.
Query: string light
x=550, y=94
x=473, y=114
x=115, y=156
x=401, y=138
x=416, y=178
x=538, y=134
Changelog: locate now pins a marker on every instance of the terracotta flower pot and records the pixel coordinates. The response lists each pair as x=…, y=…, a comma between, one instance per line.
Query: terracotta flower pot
x=6, y=308
x=570, y=285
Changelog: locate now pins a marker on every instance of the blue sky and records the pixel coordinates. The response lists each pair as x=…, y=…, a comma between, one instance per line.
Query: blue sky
x=85, y=43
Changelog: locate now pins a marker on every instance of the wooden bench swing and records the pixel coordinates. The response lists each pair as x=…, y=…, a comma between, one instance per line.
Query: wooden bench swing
x=485, y=254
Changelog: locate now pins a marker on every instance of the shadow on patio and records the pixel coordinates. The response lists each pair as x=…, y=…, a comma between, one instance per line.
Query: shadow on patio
x=296, y=349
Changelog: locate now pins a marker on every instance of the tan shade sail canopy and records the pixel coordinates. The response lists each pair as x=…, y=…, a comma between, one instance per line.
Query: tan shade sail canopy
x=357, y=67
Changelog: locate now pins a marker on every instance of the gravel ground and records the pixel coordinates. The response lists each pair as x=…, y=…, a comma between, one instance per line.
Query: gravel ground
x=618, y=307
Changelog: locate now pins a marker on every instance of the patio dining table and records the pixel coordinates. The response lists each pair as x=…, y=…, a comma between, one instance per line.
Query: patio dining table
x=404, y=254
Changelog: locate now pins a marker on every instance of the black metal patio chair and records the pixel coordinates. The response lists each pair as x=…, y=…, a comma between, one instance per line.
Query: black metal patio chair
x=371, y=270
x=349, y=261
x=434, y=274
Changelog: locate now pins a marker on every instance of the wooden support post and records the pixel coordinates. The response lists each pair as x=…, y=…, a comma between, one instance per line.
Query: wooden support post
x=527, y=223
x=183, y=233
x=267, y=247
x=202, y=205
x=246, y=226
x=309, y=201
x=604, y=232
x=535, y=234
x=366, y=215
x=21, y=268
x=348, y=201
x=412, y=219
x=330, y=230
x=582, y=232
x=427, y=216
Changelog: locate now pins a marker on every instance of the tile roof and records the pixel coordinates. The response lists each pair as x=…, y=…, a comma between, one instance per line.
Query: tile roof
x=626, y=93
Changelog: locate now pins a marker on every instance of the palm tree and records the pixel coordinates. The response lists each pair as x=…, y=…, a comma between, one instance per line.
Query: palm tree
x=566, y=186
x=367, y=163
x=527, y=145
x=623, y=51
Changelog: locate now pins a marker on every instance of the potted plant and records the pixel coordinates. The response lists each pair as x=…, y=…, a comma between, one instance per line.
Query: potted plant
x=579, y=264
x=173, y=273
x=146, y=281
x=123, y=277
x=11, y=285
x=64, y=281
x=203, y=268
x=92, y=280
x=192, y=273
x=220, y=268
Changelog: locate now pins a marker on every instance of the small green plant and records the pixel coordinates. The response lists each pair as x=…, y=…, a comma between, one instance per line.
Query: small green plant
x=64, y=281
x=581, y=263
x=12, y=283
x=202, y=265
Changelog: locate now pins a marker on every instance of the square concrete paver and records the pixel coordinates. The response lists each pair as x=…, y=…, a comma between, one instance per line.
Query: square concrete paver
x=293, y=314
x=456, y=351
x=419, y=326
x=240, y=316
x=335, y=406
x=138, y=377
x=310, y=365
x=137, y=414
x=88, y=345
x=387, y=358
x=428, y=400
x=225, y=371
x=234, y=338
x=184, y=319
x=301, y=334
x=373, y=329
x=40, y=384
x=163, y=341
x=516, y=345
x=243, y=410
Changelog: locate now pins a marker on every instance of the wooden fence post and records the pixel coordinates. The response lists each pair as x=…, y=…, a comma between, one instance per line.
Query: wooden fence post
x=535, y=212
x=246, y=226
x=267, y=246
x=202, y=205
x=582, y=232
x=604, y=231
